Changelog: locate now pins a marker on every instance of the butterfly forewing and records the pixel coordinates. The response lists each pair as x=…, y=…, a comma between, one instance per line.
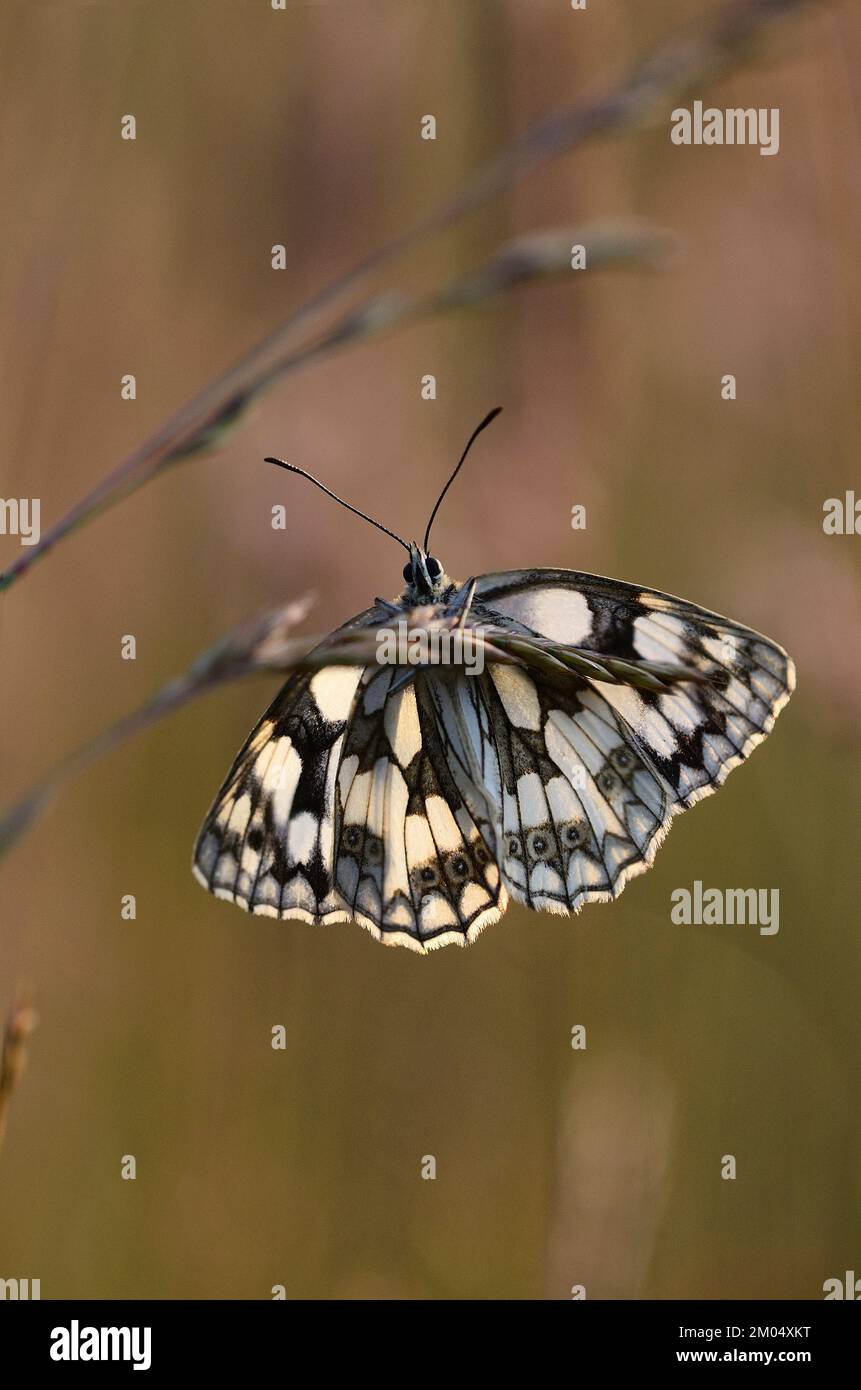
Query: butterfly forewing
x=267, y=842
x=694, y=735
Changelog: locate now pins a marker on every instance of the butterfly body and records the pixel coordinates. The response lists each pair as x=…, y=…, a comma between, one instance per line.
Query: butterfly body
x=417, y=799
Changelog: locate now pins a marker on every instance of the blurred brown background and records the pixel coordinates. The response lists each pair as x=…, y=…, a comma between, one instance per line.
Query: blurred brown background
x=302, y=1167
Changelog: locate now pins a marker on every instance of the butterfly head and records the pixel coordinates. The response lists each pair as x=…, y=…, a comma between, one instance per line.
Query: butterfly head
x=426, y=579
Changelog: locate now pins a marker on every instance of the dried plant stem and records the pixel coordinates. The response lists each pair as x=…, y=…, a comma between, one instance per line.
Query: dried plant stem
x=20, y=1025
x=522, y=261
x=264, y=644
x=659, y=80
x=259, y=645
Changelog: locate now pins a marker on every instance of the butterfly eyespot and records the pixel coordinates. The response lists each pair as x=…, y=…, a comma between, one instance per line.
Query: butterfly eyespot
x=513, y=847
x=373, y=850
x=608, y=782
x=408, y=571
x=352, y=836
x=481, y=856
x=539, y=844
x=571, y=835
x=427, y=874
x=459, y=866
x=623, y=760
x=434, y=568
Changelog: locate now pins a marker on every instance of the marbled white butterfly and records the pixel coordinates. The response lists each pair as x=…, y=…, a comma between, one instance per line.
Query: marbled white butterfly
x=417, y=800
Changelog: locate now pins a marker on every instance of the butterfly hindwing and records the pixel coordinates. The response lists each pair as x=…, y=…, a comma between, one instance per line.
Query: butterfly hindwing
x=577, y=808
x=411, y=862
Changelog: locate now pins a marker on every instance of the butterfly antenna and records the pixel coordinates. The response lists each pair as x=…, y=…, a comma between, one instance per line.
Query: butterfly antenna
x=291, y=468
x=472, y=438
